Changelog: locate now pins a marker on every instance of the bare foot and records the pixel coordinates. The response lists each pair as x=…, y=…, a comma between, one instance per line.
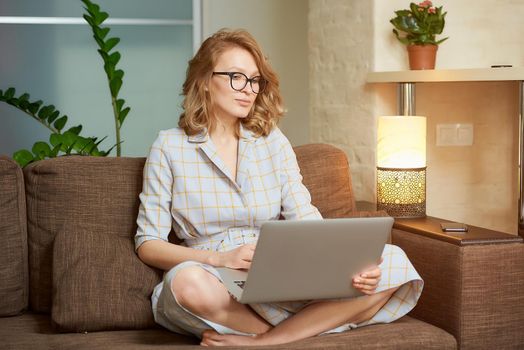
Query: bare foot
x=212, y=338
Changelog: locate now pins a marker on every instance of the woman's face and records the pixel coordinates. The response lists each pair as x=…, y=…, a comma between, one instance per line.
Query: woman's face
x=230, y=104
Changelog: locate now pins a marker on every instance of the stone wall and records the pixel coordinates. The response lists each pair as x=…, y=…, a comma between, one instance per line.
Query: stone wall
x=341, y=105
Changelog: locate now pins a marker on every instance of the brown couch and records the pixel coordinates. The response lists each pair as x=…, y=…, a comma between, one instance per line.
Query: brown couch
x=70, y=277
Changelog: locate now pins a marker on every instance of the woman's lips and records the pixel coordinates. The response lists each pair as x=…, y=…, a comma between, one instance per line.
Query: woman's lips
x=244, y=103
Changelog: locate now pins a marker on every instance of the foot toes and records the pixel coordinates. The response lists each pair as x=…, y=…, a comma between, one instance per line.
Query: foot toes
x=210, y=337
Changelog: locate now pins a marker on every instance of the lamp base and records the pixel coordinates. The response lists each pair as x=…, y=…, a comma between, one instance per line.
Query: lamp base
x=405, y=211
x=402, y=192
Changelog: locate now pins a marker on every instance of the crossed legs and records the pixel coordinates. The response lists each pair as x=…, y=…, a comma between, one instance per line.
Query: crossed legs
x=203, y=294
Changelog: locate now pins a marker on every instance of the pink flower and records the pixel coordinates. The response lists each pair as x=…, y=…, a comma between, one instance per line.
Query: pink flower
x=425, y=4
x=432, y=10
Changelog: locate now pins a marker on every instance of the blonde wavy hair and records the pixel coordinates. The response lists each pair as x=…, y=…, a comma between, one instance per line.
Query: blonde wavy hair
x=198, y=106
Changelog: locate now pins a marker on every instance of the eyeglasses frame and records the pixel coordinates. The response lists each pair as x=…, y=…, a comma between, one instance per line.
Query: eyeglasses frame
x=248, y=80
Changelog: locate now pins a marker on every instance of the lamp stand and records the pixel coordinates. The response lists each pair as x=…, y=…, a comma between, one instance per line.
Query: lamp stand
x=402, y=192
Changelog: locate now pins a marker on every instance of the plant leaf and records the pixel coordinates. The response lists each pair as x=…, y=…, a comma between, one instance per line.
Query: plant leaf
x=46, y=111
x=69, y=139
x=100, y=42
x=123, y=115
x=99, y=142
x=100, y=17
x=41, y=149
x=114, y=58
x=35, y=106
x=104, y=54
x=53, y=116
x=23, y=157
x=109, y=69
x=119, y=104
x=100, y=32
x=9, y=93
x=89, y=20
x=55, y=150
x=55, y=139
x=75, y=129
x=60, y=123
x=23, y=104
x=119, y=74
x=115, y=85
x=90, y=6
x=110, y=43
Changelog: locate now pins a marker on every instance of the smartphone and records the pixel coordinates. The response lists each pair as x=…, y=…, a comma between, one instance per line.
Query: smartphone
x=453, y=227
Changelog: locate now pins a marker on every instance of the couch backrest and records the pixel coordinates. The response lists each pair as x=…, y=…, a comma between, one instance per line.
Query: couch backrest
x=13, y=239
x=326, y=174
x=90, y=194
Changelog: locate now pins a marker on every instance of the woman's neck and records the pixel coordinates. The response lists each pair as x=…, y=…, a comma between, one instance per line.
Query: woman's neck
x=225, y=131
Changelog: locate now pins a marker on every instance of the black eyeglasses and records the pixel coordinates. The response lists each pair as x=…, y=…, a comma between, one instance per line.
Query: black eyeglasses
x=239, y=81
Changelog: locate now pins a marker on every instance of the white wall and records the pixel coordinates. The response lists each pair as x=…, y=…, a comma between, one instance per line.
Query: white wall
x=475, y=184
x=280, y=27
x=481, y=33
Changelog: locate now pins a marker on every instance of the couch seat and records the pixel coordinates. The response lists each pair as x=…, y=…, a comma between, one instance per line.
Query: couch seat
x=34, y=331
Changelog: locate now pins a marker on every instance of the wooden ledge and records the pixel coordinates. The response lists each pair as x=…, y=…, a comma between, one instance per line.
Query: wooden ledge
x=430, y=227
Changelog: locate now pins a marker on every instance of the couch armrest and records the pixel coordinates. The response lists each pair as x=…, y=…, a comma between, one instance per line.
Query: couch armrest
x=473, y=291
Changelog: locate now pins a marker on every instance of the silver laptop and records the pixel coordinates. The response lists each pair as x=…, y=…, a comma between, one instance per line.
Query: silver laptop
x=308, y=259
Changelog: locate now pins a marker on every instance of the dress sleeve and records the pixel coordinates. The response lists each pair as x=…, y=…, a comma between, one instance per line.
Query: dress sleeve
x=296, y=200
x=154, y=215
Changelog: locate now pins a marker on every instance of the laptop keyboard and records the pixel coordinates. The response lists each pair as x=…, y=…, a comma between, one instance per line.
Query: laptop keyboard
x=240, y=283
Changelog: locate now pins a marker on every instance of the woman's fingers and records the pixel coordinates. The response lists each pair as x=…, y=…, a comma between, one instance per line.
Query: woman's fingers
x=365, y=288
x=375, y=273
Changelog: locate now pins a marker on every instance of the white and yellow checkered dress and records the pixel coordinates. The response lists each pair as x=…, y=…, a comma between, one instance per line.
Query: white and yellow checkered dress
x=187, y=187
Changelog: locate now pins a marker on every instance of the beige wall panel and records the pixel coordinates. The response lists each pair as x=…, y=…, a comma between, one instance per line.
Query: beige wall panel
x=280, y=27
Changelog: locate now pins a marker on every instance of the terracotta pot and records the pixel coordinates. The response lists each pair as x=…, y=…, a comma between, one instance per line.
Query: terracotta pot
x=422, y=56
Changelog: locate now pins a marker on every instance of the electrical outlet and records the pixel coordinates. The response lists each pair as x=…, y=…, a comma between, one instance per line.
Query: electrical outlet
x=454, y=134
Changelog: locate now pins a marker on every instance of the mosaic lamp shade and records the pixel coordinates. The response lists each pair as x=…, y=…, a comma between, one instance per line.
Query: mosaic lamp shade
x=401, y=166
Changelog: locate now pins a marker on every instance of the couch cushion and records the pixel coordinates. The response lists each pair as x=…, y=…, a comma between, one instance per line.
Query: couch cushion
x=14, y=281
x=35, y=331
x=325, y=170
x=99, y=283
x=89, y=194
x=23, y=332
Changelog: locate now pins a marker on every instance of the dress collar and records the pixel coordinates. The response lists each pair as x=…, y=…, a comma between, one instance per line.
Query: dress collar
x=203, y=135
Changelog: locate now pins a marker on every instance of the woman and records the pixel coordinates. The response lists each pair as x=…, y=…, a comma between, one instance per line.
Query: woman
x=226, y=169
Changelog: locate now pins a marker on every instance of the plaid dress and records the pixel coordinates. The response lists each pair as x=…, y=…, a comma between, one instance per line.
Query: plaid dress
x=189, y=188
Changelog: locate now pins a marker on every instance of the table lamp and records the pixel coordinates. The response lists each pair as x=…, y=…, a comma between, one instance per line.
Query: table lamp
x=401, y=166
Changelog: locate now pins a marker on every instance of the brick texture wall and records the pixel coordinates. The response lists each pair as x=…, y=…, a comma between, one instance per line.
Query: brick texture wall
x=341, y=106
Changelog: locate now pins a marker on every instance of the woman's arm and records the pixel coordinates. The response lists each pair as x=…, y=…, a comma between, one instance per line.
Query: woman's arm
x=164, y=255
x=296, y=200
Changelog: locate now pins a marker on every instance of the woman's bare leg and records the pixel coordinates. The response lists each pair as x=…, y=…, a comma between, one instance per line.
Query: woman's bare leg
x=314, y=319
x=203, y=294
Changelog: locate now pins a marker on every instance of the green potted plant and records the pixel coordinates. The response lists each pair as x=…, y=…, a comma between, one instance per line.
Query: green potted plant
x=64, y=141
x=419, y=26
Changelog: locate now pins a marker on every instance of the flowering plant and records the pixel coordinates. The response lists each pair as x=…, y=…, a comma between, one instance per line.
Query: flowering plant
x=420, y=23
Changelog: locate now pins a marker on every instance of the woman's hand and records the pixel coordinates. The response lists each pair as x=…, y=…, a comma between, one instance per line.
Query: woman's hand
x=367, y=280
x=238, y=258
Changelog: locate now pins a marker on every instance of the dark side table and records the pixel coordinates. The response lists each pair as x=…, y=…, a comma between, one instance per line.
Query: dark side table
x=430, y=227
x=473, y=281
